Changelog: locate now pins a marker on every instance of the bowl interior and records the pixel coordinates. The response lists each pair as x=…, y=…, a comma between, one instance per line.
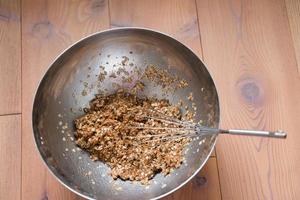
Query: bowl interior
x=71, y=82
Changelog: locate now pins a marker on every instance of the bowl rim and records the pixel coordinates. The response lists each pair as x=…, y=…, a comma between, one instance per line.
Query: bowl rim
x=55, y=174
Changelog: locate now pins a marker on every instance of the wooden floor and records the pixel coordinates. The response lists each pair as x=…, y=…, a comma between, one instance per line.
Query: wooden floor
x=251, y=48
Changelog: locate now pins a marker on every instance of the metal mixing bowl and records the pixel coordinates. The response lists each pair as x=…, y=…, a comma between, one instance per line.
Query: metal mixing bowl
x=59, y=100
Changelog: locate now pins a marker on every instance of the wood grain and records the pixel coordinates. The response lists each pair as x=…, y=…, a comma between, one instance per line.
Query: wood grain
x=249, y=51
x=48, y=27
x=10, y=57
x=248, y=48
x=175, y=17
x=179, y=19
x=293, y=11
x=10, y=157
x=204, y=185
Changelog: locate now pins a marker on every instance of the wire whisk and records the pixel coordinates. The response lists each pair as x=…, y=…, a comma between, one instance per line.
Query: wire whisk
x=178, y=129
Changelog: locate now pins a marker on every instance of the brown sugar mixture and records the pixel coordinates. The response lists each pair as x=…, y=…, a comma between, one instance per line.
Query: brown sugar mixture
x=111, y=132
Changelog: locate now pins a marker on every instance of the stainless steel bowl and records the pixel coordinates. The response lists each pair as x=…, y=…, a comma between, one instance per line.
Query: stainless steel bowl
x=58, y=102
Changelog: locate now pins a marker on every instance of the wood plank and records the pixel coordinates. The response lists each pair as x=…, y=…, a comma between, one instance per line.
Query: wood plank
x=10, y=57
x=48, y=27
x=249, y=50
x=179, y=19
x=293, y=11
x=10, y=157
x=175, y=17
x=204, y=185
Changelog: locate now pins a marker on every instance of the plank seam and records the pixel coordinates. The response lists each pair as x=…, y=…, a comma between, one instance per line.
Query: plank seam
x=199, y=32
x=21, y=54
x=9, y=114
x=202, y=53
x=218, y=172
x=109, y=16
x=291, y=35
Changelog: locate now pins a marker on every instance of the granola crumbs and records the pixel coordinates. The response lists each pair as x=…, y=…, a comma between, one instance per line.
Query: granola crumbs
x=101, y=76
x=190, y=97
x=122, y=70
x=139, y=86
x=158, y=76
x=125, y=60
x=84, y=93
x=163, y=78
x=102, y=73
x=127, y=80
x=182, y=84
x=113, y=75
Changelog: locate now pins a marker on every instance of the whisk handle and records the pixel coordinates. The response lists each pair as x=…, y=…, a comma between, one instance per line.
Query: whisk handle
x=273, y=134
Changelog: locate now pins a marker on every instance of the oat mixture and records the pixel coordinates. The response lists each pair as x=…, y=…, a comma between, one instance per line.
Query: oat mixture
x=111, y=132
x=163, y=78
